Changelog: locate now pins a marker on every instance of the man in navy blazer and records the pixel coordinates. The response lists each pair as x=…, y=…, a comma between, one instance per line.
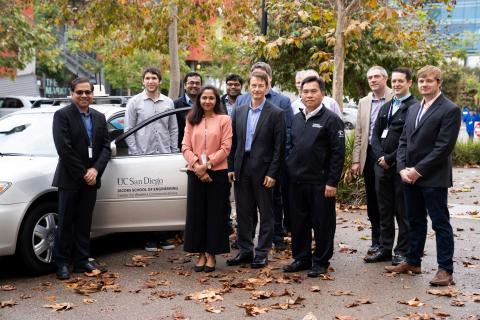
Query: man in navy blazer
x=81, y=138
x=424, y=163
x=254, y=164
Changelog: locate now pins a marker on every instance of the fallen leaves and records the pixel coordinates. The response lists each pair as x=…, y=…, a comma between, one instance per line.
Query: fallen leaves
x=255, y=295
x=7, y=303
x=315, y=289
x=64, y=306
x=140, y=261
x=358, y=302
x=212, y=309
x=253, y=310
x=89, y=301
x=163, y=294
x=343, y=317
x=424, y=316
x=447, y=292
x=342, y=293
x=457, y=303
x=346, y=249
x=7, y=287
x=103, y=281
x=205, y=296
x=415, y=302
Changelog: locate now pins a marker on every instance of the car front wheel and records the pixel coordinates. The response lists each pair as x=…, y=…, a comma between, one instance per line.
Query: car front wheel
x=37, y=238
x=349, y=126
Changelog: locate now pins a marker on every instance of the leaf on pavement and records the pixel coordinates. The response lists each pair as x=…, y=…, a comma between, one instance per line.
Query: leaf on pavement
x=327, y=276
x=415, y=302
x=315, y=289
x=342, y=293
x=89, y=301
x=162, y=294
x=93, y=273
x=309, y=316
x=212, y=309
x=346, y=249
x=7, y=303
x=204, y=296
x=457, y=303
x=253, y=310
x=51, y=298
x=25, y=296
x=64, y=306
x=261, y=295
x=343, y=317
x=358, y=302
x=139, y=260
x=7, y=287
x=447, y=292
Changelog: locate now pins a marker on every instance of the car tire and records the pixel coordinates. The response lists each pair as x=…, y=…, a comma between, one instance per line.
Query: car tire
x=37, y=238
x=349, y=126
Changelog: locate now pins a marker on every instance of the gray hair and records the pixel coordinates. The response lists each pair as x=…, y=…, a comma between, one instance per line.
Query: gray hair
x=381, y=69
x=264, y=66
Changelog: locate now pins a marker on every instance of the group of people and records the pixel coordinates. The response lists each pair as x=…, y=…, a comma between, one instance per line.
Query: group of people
x=284, y=160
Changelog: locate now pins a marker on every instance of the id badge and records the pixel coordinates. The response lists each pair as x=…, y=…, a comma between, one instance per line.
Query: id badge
x=90, y=152
x=384, y=133
x=203, y=157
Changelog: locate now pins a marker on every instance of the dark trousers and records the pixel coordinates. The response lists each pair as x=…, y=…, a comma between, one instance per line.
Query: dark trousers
x=206, y=227
x=311, y=210
x=75, y=208
x=372, y=205
x=391, y=206
x=420, y=201
x=250, y=194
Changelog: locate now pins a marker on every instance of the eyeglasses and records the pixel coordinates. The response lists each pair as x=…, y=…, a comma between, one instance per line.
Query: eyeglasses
x=81, y=92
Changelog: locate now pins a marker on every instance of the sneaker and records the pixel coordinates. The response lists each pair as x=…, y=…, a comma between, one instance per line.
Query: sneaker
x=151, y=246
x=166, y=246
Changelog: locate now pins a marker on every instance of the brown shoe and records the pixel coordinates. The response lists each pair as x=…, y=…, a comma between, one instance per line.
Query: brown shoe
x=404, y=268
x=442, y=278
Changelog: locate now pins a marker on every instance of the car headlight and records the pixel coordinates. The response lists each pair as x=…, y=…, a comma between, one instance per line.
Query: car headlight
x=4, y=185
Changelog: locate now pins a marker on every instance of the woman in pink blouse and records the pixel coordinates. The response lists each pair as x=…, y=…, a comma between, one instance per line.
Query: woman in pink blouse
x=206, y=145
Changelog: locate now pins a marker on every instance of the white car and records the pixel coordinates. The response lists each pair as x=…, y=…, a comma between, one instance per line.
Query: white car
x=9, y=104
x=350, y=118
x=138, y=193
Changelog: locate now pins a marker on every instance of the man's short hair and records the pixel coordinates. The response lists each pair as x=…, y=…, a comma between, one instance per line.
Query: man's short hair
x=406, y=71
x=311, y=72
x=152, y=70
x=321, y=83
x=430, y=70
x=192, y=74
x=234, y=77
x=258, y=74
x=382, y=70
x=79, y=80
x=264, y=66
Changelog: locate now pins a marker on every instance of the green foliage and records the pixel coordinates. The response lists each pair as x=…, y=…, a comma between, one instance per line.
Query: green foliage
x=461, y=84
x=466, y=153
x=351, y=190
x=22, y=40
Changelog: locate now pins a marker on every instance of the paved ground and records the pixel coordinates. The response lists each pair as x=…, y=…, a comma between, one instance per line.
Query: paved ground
x=141, y=292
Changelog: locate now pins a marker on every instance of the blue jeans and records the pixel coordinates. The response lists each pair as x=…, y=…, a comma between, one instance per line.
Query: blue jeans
x=420, y=201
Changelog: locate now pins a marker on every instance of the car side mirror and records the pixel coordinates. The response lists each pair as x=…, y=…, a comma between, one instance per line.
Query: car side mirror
x=113, y=147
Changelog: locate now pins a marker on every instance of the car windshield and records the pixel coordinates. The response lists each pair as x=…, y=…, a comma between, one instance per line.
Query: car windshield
x=29, y=133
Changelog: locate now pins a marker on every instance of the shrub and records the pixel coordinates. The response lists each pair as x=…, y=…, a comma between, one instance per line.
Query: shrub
x=466, y=153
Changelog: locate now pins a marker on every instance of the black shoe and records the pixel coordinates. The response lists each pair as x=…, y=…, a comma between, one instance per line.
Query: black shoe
x=280, y=245
x=199, y=268
x=240, y=258
x=297, y=265
x=259, y=262
x=234, y=245
x=316, y=271
x=208, y=269
x=397, y=259
x=378, y=256
x=62, y=272
x=89, y=267
x=373, y=248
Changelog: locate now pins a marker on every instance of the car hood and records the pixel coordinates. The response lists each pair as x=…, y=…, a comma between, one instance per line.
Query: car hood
x=29, y=176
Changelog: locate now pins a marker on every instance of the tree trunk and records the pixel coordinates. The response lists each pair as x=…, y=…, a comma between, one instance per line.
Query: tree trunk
x=339, y=52
x=173, y=52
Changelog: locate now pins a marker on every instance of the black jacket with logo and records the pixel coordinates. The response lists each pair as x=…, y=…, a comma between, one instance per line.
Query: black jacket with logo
x=318, y=149
x=387, y=147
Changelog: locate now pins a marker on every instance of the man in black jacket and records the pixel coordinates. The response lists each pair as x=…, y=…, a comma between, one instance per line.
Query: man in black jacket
x=314, y=167
x=388, y=185
x=80, y=135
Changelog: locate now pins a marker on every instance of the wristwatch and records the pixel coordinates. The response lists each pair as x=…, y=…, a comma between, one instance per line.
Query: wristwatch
x=209, y=165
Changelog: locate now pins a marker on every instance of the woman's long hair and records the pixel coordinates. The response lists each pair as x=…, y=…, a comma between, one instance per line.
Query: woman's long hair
x=195, y=115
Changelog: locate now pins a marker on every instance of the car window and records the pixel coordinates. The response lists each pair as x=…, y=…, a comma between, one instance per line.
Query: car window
x=2, y=100
x=107, y=101
x=157, y=130
x=12, y=103
x=29, y=134
x=115, y=126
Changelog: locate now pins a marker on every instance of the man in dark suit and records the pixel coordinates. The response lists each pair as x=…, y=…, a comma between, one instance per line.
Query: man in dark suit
x=425, y=165
x=81, y=139
x=388, y=185
x=254, y=164
x=192, y=83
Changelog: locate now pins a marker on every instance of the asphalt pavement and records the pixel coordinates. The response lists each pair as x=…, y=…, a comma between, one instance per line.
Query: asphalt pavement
x=164, y=286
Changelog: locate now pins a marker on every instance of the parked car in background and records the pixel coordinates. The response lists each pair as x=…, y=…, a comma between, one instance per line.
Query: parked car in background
x=138, y=193
x=113, y=100
x=9, y=104
x=350, y=118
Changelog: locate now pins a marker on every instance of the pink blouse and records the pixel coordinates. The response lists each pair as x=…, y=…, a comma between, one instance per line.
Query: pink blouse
x=213, y=137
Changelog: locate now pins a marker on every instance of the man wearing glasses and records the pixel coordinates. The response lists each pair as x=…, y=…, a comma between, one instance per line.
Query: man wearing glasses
x=81, y=139
x=192, y=83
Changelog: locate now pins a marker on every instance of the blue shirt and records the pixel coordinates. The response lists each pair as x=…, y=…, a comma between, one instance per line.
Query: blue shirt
x=87, y=122
x=252, y=120
x=470, y=123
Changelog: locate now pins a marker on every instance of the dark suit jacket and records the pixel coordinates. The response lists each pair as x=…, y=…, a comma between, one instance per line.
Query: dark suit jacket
x=429, y=145
x=388, y=147
x=181, y=118
x=71, y=141
x=268, y=145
